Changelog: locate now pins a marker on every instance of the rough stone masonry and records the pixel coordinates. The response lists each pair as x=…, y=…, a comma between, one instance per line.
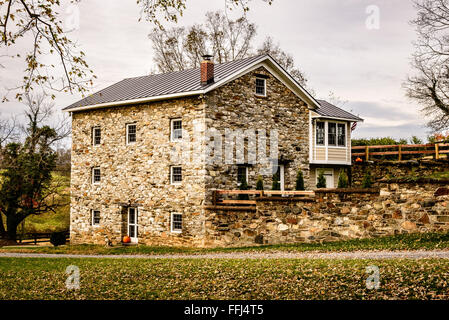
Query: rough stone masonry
x=138, y=175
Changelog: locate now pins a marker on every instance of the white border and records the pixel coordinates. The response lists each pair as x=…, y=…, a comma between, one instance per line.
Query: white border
x=172, y=222
x=175, y=183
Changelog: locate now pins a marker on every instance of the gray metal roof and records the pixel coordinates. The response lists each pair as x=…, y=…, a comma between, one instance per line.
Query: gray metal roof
x=161, y=84
x=329, y=110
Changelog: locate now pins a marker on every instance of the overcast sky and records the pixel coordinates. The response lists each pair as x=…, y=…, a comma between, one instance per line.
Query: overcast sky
x=329, y=40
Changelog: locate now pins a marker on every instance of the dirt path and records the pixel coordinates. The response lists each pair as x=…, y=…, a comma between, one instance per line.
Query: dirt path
x=417, y=254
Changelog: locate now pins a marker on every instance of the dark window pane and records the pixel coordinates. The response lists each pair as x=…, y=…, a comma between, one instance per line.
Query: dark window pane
x=260, y=87
x=177, y=222
x=241, y=174
x=97, y=136
x=132, y=129
x=320, y=133
x=96, y=175
x=332, y=134
x=341, y=135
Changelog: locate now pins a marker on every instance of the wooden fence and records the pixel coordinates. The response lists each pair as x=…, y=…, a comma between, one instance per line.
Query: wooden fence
x=419, y=150
x=221, y=197
x=36, y=238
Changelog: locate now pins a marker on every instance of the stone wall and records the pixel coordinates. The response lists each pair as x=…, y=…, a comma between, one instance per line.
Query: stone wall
x=383, y=170
x=235, y=106
x=333, y=215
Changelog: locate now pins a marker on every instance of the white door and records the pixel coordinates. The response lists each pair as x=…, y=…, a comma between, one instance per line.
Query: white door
x=132, y=224
x=328, y=175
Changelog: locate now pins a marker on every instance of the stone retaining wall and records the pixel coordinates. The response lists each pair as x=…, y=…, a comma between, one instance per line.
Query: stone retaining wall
x=333, y=215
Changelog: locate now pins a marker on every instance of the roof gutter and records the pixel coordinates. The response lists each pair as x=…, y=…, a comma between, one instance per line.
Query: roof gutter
x=135, y=101
x=335, y=118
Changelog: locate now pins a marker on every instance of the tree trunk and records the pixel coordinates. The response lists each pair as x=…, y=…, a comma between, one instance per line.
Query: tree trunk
x=11, y=228
x=2, y=227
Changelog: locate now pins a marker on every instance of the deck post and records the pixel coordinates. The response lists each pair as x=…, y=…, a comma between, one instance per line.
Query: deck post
x=400, y=152
x=437, y=151
x=367, y=153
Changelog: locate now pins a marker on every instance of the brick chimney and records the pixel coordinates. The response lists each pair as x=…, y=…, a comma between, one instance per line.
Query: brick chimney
x=207, y=70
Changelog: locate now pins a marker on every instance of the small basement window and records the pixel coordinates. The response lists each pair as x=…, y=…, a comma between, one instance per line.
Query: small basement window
x=96, y=175
x=95, y=217
x=131, y=133
x=176, y=130
x=176, y=222
x=261, y=87
x=175, y=175
x=96, y=136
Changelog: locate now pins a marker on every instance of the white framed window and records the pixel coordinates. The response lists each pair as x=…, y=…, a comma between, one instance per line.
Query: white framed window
x=95, y=217
x=131, y=133
x=261, y=87
x=96, y=136
x=332, y=134
x=96, y=175
x=242, y=173
x=341, y=134
x=175, y=175
x=320, y=133
x=176, y=223
x=175, y=130
x=133, y=226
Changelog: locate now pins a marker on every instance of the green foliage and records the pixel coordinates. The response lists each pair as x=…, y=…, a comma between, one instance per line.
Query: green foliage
x=415, y=140
x=367, y=181
x=321, y=180
x=299, y=181
x=243, y=186
x=57, y=238
x=377, y=142
x=343, y=181
x=259, y=184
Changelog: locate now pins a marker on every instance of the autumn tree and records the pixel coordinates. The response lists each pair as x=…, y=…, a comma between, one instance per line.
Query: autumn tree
x=430, y=86
x=52, y=60
x=26, y=183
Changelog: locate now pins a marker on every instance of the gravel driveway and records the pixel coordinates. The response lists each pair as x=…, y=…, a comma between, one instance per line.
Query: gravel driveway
x=418, y=254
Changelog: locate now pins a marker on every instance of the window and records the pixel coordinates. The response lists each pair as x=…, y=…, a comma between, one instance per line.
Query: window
x=131, y=133
x=242, y=173
x=96, y=136
x=95, y=217
x=176, y=222
x=320, y=133
x=332, y=134
x=260, y=87
x=96, y=175
x=175, y=175
x=341, y=135
x=176, y=130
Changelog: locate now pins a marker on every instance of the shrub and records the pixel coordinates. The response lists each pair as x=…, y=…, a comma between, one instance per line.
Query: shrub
x=299, y=181
x=243, y=186
x=343, y=181
x=57, y=238
x=259, y=184
x=367, y=180
x=321, y=180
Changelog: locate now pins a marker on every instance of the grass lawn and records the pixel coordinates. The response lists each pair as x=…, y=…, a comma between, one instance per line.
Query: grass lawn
x=428, y=241
x=23, y=278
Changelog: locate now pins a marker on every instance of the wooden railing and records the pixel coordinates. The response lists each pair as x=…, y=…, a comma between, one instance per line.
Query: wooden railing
x=35, y=238
x=370, y=152
x=218, y=196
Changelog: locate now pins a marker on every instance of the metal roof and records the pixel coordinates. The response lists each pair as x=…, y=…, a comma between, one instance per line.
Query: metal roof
x=327, y=109
x=161, y=84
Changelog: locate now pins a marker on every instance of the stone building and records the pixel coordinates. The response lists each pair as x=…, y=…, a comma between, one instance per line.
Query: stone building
x=148, y=151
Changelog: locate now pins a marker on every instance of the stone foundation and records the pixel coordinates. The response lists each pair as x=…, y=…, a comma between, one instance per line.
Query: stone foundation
x=333, y=215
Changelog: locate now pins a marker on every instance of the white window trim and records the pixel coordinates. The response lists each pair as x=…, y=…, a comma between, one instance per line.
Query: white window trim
x=265, y=87
x=136, y=225
x=172, y=131
x=127, y=133
x=93, y=176
x=93, y=136
x=175, y=183
x=93, y=221
x=172, y=222
x=326, y=134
